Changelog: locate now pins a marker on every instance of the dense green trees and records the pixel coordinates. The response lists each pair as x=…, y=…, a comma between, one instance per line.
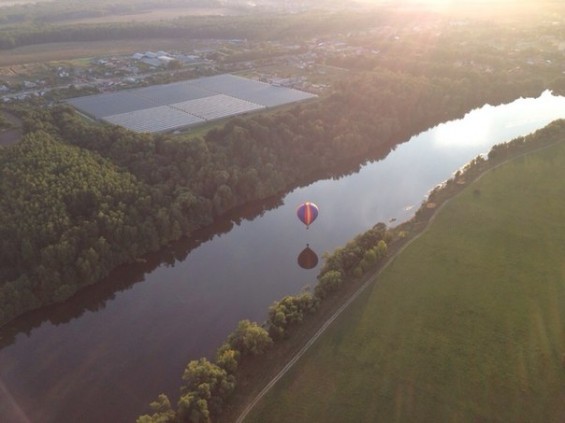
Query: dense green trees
x=355, y=258
x=163, y=411
x=288, y=311
x=248, y=339
x=205, y=390
x=68, y=217
x=329, y=282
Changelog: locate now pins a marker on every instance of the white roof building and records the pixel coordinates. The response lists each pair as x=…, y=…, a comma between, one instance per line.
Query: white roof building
x=166, y=59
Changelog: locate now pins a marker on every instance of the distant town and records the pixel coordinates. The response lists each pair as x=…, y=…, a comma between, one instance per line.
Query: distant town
x=309, y=65
x=292, y=66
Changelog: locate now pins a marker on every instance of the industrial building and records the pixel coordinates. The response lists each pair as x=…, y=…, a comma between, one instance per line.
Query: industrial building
x=168, y=107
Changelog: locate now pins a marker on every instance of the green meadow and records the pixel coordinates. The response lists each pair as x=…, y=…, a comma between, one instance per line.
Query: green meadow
x=467, y=324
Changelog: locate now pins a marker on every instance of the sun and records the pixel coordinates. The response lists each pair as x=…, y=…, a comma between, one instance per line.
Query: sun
x=431, y=4
x=435, y=2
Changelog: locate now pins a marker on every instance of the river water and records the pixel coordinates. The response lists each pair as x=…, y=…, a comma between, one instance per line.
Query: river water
x=109, y=351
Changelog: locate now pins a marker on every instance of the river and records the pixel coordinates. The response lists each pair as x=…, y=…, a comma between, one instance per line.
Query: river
x=109, y=351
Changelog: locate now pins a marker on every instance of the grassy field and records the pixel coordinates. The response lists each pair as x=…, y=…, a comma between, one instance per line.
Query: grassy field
x=466, y=325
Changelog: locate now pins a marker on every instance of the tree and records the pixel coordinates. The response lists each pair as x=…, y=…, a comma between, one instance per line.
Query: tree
x=199, y=372
x=327, y=283
x=227, y=358
x=290, y=310
x=193, y=409
x=163, y=412
x=249, y=338
x=206, y=388
x=382, y=249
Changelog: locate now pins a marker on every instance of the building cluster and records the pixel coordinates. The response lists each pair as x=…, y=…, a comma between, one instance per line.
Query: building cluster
x=302, y=66
x=164, y=59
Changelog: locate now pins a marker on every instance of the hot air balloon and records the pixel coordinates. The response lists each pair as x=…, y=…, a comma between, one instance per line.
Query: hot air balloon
x=307, y=259
x=307, y=212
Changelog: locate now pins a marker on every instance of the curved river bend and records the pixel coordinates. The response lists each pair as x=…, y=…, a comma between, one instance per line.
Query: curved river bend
x=107, y=353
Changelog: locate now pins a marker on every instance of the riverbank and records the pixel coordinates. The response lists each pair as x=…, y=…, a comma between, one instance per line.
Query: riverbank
x=255, y=375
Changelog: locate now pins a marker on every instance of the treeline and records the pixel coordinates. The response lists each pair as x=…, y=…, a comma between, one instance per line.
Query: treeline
x=208, y=385
x=62, y=10
x=68, y=217
x=78, y=227
x=252, y=27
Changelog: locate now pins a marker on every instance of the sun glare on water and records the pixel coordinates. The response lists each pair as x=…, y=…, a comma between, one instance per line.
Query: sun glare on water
x=475, y=8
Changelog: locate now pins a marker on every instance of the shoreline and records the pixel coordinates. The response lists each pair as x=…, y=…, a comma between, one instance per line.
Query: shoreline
x=416, y=226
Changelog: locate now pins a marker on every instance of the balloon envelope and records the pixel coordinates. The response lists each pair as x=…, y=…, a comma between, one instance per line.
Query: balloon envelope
x=307, y=212
x=307, y=259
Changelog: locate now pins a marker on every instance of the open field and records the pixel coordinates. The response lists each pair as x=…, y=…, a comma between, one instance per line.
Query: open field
x=41, y=53
x=157, y=15
x=467, y=324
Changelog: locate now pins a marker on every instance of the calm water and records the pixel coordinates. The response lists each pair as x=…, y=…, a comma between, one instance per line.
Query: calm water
x=111, y=350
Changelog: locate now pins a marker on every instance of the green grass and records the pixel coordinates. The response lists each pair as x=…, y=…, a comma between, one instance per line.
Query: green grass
x=466, y=325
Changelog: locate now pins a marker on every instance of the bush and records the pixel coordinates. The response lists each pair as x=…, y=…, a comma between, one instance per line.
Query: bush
x=249, y=339
x=327, y=283
x=288, y=311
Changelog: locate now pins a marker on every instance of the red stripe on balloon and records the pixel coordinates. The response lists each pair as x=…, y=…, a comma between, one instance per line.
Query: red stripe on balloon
x=307, y=213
